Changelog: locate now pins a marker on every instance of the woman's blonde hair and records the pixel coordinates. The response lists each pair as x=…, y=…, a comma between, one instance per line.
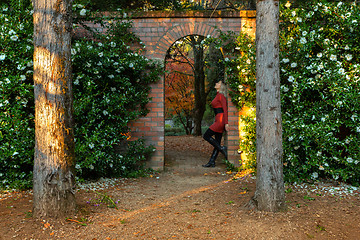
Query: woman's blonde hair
x=223, y=88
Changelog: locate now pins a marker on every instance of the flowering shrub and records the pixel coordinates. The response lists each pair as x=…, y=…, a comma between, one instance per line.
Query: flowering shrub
x=16, y=95
x=111, y=84
x=320, y=91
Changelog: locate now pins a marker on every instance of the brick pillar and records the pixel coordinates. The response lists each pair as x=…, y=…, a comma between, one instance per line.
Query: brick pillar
x=152, y=126
x=232, y=137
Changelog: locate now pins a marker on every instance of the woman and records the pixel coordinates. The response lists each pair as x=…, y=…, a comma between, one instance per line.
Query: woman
x=214, y=134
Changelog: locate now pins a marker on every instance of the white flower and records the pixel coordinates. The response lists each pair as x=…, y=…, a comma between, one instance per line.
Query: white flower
x=293, y=13
x=73, y=51
x=341, y=71
x=208, y=36
x=20, y=67
x=314, y=175
x=91, y=167
x=299, y=19
x=100, y=44
x=77, y=166
x=319, y=55
x=326, y=41
x=105, y=112
x=91, y=145
x=286, y=60
x=83, y=12
x=348, y=57
x=350, y=160
x=131, y=65
x=111, y=76
x=101, y=54
x=333, y=57
x=2, y=57
x=358, y=129
x=248, y=61
x=304, y=33
x=22, y=77
x=226, y=59
x=125, y=15
x=320, y=67
x=113, y=89
x=291, y=79
x=321, y=168
x=291, y=138
x=112, y=44
x=303, y=40
x=288, y=4
x=293, y=65
x=14, y=37
x=15, y=153
x=76, y=82
x=347, y=47
x=318, y=154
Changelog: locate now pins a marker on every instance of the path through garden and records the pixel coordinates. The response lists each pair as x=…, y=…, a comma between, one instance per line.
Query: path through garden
x=187, y=201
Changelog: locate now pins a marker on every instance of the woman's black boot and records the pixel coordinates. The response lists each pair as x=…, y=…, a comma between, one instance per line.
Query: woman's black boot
x=213, y=157
x=222, y=149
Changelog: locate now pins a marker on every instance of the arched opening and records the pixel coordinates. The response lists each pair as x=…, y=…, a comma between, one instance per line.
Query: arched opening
x=192, y=67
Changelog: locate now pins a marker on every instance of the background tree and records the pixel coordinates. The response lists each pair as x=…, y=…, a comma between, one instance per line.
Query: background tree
x=269, y=194
x=206, y=69
x=179, y=94
x=54, y=180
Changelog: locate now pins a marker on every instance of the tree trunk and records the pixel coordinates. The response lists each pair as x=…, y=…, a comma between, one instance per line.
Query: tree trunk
x=269, y=194
x=199, y=84
x=54, y=158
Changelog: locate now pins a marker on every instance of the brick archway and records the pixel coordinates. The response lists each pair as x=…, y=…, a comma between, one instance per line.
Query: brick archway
x=158, y=31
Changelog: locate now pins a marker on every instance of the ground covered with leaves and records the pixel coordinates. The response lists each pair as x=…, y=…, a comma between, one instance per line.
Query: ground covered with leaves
x=187, y=201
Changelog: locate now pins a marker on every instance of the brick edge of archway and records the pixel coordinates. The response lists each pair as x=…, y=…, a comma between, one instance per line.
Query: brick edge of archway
x=152, y=127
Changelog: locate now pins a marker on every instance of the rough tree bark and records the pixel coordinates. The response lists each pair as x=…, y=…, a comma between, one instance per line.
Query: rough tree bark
x=269, y=194
x=54, y=158
x=199, y=83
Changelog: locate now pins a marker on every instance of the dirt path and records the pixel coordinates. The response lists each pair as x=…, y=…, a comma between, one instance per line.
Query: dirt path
x=186, y=201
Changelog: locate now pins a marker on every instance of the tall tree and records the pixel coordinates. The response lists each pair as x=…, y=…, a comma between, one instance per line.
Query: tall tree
x=199, y=82
x=269, y=194
x=54, y=181
x=190, y=51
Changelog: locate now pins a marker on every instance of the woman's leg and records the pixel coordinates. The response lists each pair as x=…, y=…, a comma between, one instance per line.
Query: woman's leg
x=208, y=136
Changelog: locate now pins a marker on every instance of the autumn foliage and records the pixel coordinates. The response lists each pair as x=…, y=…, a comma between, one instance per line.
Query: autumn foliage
x=179, y=93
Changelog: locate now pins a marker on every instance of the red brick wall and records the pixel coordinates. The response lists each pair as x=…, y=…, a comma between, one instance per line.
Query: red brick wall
x=158, y=31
